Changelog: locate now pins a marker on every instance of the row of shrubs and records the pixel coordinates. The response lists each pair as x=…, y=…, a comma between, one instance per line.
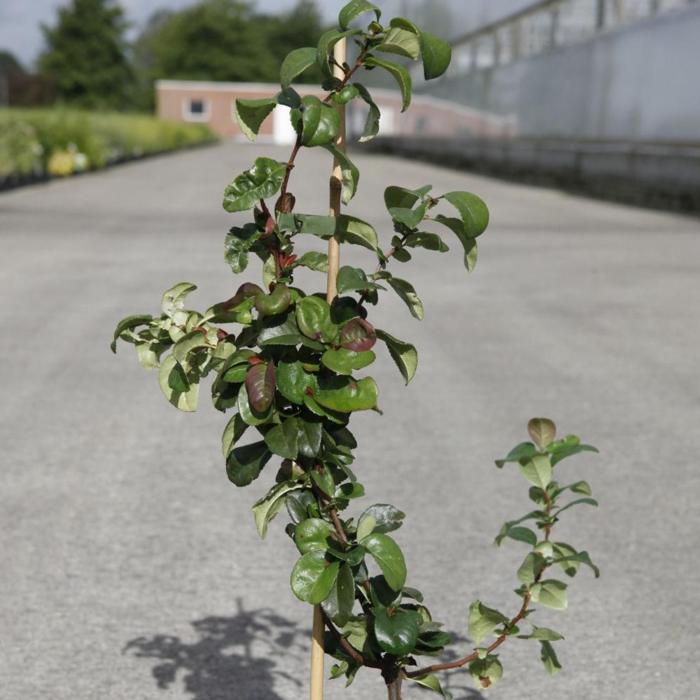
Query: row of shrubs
x=57, y=142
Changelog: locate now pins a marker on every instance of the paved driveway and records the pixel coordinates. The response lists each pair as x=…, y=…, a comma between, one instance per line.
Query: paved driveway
x=131, y=568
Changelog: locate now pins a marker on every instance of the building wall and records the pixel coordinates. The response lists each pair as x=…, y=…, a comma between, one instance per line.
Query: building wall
x=635, y=83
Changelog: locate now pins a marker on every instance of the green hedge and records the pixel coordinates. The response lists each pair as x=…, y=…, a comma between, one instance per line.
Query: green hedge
x=62, y=141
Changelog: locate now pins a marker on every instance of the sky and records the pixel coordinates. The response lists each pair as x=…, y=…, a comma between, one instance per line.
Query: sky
x=21, y=35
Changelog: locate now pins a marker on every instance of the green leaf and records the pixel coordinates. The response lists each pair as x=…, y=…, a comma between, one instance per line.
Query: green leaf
x=347, y=395
x=436, y=55
x=473, y=211
x=429, y=241
x=293, y=381
x=531, y=568
x=578, y=501
x=396, y=197
x=260, y=385
x=318, y=123
x=486, y=672
x=283, y=439
x=311, y=535
x=432, y=683
x=296, y=63
x=386, y=517
x=365, y=526
x=350, y=229
x=244, y=464
x=404, y=354
x=389, y=558
x=549, y=658
x=410, y=218
x=567, y=448
x=191, y=342
x=326, y=43
x=354, y=9
x=408, y=295
x=238, y=243
x=177, y=387
x=233, y=432
x=349, y=173
x=126, y=325
x=250, y=114
x=318, y=262
x=343, y=361
x=538, y=470
x=313, y=578
x=353, y=279
x=400, y=75
x=338, y=606
x=520, y=453
x=396, y=630
x=542, y=634
x=270, y=505
x=373, y=116
x=483, y=621
x=569, y=559
x=246, y=411
x=400, y=40
x=263, y=180
x=521, y=534
x=310, y=434
x=542, y=431
x=358, y=335
x=174, y=298
x=550, y=593
x=313, y=315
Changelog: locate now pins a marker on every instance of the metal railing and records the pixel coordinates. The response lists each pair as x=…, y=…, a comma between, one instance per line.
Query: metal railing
x=549, y=24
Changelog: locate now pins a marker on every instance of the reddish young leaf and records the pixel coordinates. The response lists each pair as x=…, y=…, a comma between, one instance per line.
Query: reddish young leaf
x=260, y=384
x=358, y=335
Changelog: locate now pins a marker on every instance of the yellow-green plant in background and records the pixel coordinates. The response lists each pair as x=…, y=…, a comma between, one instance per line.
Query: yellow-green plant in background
x=62, y=142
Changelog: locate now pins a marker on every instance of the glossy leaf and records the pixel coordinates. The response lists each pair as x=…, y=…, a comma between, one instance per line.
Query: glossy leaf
x=270, y=505
x=233, y=432
x=432, y=683
x=318, y=123
x=354, y=9
x=403, y=198
x=521, y=453
x=358, y=335
x=549, y=658
x=293, y=381
x=389, y=558
x=263, y=180
x=318, y=262
x=345, y=362
x=283, y=439
x=338, y=606
x=244, y=464
x=276, y=302
x=486, y=672
x=386, y=517
x=260, y=385
x=408, y=295
x=177, y=387
x=350, y=174
x=428, y=241
x=126, y=326
x=313, y=578
x=311, y=535
x=310, y=434
x=400, y=40
x=348, y=395
x=371, y=128
x=400, y=75
x=313, y=315
x=353, y=279
x=473, y=212
x=174, y=298
x=404, y=354
x=326, y=43
x=396, y=630
x=436, y=55
x=251, y=114
x=296, y=63
x=531, y=568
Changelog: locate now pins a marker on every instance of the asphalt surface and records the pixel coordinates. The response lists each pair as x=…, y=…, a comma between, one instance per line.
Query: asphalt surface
x=131, y=568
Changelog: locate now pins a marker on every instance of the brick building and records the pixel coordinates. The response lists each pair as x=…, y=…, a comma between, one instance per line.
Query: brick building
x=212, y=103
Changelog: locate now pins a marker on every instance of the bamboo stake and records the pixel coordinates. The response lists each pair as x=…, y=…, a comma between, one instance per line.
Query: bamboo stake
x=336, y=188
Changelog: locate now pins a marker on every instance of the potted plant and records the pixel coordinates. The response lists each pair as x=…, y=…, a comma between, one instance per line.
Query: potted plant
x=285, y=361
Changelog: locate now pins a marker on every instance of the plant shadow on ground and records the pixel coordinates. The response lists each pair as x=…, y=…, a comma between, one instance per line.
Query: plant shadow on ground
x=233, y=658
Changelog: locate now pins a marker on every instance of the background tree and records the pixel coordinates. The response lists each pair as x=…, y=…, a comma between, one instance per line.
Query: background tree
x=221, y=40
x=86, y=55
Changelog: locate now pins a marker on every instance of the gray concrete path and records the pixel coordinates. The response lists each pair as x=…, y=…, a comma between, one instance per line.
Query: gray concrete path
x=130, y=566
